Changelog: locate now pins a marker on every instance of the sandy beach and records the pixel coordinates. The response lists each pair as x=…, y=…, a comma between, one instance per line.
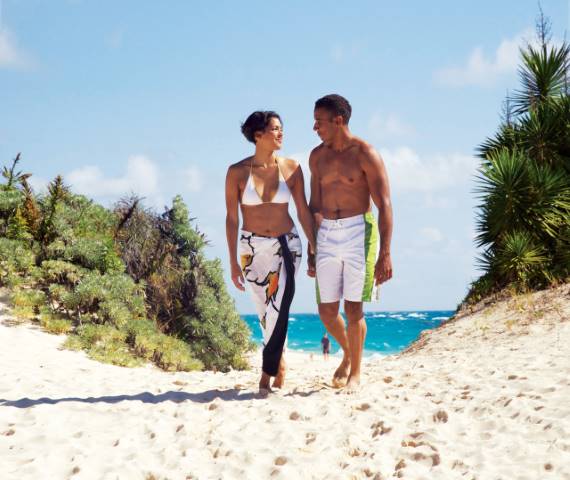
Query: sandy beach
x=485, y=396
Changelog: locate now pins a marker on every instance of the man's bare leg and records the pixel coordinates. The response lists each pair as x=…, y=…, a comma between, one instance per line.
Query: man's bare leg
x=280, y=377
x=356, y=335
x=334, y=323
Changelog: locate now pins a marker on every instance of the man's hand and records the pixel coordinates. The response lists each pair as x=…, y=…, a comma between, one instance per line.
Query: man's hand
x=311, y=270
x=237, y=277
x=383, y=268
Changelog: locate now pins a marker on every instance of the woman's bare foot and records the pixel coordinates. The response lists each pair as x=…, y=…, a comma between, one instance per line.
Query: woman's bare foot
x=340, y=376
x=264, y=384
x=280, y=378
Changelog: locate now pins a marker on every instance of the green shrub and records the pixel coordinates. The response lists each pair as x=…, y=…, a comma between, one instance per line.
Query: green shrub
x=95, y=254
x=55, y=324
x=15, y=256
x=24, y=312
x=115, y=293
x=167, y=352
x=28, y=298
x=62, y=272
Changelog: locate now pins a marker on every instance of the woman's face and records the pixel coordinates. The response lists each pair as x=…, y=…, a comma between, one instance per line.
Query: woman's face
x=272, y=137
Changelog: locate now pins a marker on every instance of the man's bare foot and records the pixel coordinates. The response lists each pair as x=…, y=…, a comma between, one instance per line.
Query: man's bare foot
x=353, y=384
x=340, y=376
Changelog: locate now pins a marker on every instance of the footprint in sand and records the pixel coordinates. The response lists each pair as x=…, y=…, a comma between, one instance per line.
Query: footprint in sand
x=280, y=461
x=295, y=416
x=310, y=437
x=379, y=428
x=440, y=416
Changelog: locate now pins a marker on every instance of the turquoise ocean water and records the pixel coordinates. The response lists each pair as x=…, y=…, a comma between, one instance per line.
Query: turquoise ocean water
x=388, y=332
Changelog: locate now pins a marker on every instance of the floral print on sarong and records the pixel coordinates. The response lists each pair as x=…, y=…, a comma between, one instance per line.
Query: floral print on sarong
x=264, y=266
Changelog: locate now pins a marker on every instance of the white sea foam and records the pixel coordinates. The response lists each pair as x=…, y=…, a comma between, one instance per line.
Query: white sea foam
x=417, y=315
x=440, y=318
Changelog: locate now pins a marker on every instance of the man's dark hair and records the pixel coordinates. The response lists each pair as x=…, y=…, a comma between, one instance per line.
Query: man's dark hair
x=257, y=122
x=335, y=104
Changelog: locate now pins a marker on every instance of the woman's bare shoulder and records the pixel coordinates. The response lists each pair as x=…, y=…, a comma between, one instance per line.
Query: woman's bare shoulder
x=288, y=166
x=240, y=167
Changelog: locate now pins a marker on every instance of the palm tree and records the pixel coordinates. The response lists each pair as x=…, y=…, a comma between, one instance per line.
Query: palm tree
x=523, y=219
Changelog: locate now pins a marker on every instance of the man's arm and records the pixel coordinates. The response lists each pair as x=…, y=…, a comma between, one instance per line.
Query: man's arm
x=377, y=179
x=303, y=213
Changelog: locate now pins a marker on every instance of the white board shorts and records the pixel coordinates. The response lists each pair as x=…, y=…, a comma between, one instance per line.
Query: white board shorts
x=347, y=250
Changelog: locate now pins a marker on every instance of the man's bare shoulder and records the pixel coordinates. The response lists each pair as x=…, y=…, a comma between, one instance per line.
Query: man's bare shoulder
x=316, y=153
x=365, y=148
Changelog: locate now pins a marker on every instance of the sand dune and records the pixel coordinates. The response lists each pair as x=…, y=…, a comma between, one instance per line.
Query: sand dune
x=485, y=396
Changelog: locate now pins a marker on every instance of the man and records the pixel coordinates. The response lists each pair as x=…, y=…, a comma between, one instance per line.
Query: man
x=346, y=175
x=326, y=343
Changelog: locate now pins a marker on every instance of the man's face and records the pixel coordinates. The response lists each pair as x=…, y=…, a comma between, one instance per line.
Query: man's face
x=325, y=125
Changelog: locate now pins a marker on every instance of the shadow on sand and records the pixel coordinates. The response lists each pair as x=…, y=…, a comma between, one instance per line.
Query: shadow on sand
x=231, y=394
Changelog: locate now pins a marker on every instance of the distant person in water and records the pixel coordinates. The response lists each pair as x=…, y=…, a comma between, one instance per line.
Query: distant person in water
x=269, y=245
x=347, y=176
x=326, y=343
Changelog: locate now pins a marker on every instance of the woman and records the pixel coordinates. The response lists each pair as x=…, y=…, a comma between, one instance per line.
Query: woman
x=269, y=246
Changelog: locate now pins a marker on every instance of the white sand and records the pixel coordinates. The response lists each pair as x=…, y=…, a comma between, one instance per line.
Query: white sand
x=478, y=398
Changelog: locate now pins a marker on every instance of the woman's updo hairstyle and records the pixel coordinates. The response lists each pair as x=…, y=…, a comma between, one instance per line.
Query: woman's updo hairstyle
x=257, y=122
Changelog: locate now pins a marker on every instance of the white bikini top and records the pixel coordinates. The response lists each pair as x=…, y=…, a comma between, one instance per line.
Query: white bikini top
x=251, y=197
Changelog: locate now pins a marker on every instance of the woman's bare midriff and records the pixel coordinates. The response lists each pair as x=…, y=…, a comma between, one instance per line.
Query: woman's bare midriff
x=268, y=219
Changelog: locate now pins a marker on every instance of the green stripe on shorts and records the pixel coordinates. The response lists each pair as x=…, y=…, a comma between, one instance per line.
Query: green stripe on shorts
x=370, y=250
x=318, y=291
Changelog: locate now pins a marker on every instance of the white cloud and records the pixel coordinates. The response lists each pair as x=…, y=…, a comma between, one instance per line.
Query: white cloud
x=11, y=56
x=382, y=127
x=408, y=171
x=483, y=70
x=141, y=178
x=193, y=179
x=39, y=184
x=431, y=234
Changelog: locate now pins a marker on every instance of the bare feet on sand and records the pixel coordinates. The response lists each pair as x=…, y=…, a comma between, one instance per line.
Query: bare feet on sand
x=340, y=376
x=353, y=384
x=264, y=384
x=280, y=378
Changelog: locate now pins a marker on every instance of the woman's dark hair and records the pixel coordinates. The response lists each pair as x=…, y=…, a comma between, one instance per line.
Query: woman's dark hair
x=335, y=104
x=257, y=122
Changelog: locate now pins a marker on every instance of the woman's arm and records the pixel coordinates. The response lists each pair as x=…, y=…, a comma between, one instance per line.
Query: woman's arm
x=303, y=213
x=232, y=225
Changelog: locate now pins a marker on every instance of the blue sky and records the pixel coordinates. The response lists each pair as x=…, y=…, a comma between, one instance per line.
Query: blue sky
x=147, y=97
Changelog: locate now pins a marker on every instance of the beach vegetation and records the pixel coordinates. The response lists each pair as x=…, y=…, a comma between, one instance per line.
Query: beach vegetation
x=127, y=284
x=523, y=183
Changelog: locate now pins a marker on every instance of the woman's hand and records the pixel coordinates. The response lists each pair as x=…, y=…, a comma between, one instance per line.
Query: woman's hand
x=311, y=265
x=237, y=277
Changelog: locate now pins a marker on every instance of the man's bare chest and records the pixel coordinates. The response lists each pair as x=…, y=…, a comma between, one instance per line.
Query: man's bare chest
x=340, y=169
